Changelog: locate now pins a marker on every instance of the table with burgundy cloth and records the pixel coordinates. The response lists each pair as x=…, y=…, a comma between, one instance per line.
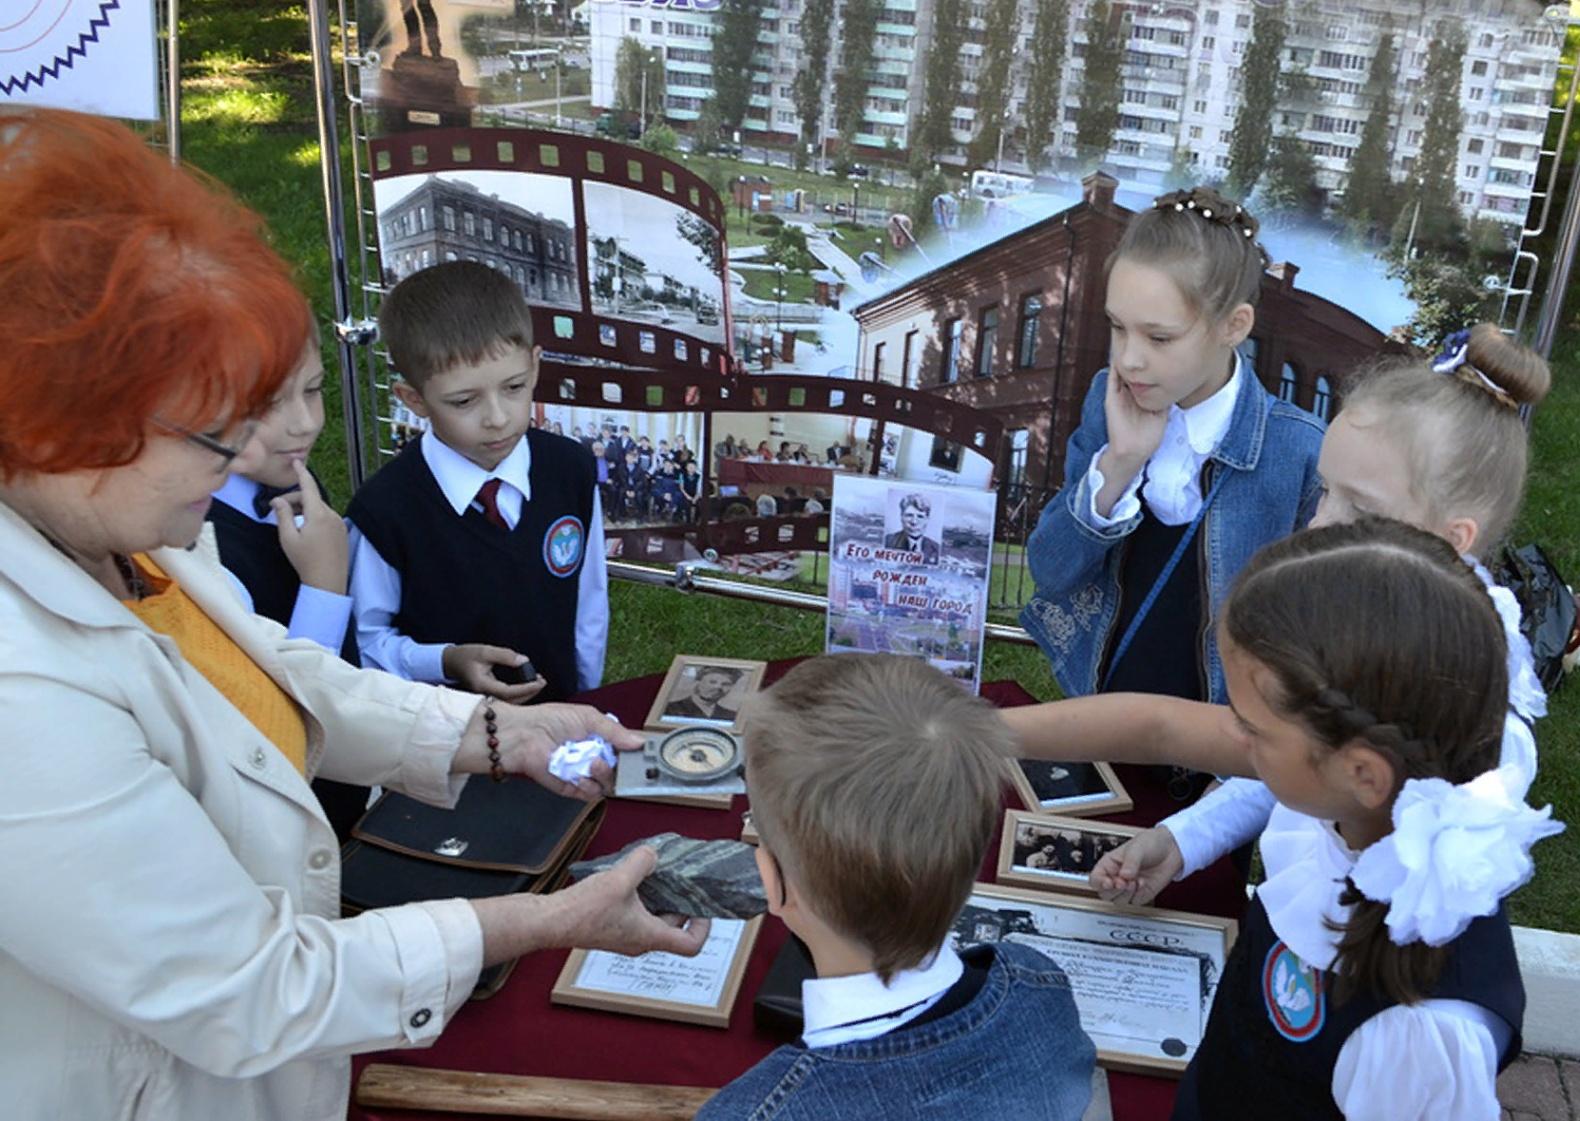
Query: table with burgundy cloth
x=517, y=1031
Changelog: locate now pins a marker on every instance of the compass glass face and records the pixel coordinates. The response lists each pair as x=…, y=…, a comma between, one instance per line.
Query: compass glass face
x=698, y=754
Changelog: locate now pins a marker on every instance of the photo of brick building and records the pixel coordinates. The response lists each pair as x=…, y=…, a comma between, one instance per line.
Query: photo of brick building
x=1017, y=328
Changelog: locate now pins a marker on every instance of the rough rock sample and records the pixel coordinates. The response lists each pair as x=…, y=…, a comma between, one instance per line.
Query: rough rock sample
x=702, y=879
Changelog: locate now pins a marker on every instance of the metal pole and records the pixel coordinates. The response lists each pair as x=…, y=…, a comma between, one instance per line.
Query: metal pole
x=347, y=333
x=685, y=578
x=173, y=80
x=1563, y=262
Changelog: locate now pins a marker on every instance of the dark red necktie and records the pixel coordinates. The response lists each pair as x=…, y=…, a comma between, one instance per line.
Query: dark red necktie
x=488, y=499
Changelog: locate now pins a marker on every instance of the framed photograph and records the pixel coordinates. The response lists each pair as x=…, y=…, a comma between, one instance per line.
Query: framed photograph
x=1055, y=853
x=699, y=990
x=749, y=829
x=1143, y=978
x=705, y=691
x=1071, y=789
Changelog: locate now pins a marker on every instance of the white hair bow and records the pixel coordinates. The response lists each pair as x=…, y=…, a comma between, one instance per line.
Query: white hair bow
x=1454, y=853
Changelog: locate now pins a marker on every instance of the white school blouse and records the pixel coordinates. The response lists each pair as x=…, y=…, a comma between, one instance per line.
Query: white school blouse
x=1173, y=475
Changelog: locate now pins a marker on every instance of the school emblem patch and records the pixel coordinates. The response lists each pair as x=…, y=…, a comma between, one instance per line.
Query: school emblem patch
x=1292, y=993
x=562, y=545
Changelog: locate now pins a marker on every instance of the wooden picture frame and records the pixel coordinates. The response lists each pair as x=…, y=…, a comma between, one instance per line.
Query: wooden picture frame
x=676, y=690
x=1065, y=860
x=1093, y=788
x=602, y=980
x=749, y=828
x=1106, y=950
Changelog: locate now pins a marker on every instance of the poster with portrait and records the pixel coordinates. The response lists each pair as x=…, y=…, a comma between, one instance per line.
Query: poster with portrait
x=908, y=572
x=94, y=56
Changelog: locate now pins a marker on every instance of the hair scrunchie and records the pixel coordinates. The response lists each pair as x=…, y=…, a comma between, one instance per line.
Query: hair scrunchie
x=1454, y=853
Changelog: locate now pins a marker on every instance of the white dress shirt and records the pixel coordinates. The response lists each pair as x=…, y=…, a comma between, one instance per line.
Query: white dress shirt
x=318, y=614
x=861, y=1006
x=1173, y=474
x=1436, y=1060
x=376, y=586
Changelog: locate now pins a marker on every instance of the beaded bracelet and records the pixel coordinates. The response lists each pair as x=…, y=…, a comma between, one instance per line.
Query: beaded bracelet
x=496, y=765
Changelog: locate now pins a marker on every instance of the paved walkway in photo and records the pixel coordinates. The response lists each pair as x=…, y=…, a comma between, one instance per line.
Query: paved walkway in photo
x=1540, y=1088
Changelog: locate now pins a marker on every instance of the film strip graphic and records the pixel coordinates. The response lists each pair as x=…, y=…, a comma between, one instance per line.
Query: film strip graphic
x=638, y=238
x=610, y=389
x=534, y=203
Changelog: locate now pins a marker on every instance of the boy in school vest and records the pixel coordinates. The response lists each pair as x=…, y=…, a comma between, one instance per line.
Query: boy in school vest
x=286, y=549
x=477, y=552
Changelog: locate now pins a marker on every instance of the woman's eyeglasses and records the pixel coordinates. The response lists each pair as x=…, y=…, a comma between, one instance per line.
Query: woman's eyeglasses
x=226, y=452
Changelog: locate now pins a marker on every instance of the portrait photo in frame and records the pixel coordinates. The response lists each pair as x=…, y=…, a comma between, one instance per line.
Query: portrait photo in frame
x=1143, y=978
x=696, y=990
x=1053, y=853
x=1071, y=789
x=700, y=690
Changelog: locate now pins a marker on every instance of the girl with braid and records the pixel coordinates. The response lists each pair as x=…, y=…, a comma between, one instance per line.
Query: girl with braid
x=1375, y=975
x=1439, y=445
x=1182, y=467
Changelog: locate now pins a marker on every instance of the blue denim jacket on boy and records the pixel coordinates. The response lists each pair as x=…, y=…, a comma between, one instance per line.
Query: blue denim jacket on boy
x=1015, y=1051
x=1271, y=449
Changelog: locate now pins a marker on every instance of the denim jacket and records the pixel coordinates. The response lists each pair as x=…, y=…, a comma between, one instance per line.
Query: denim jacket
x=1016, y=1050
x=1271, y=449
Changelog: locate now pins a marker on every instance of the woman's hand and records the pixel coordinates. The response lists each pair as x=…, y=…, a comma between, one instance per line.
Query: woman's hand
x=528, y=736
x=1138, y=869
x=602, y=912
x=317, y=548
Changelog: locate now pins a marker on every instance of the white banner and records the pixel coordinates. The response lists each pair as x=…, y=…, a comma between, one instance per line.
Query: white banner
x=96, y=56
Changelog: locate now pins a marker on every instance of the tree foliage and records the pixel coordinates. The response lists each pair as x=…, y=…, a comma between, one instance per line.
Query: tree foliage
x=1431, y=202
x=1370, y=199
x=811, y=81
x=942, y=76
x=734, y=44
x=1289, y=185
x=994, y=79
x=850, y=84
x=1044, y=73
x=629, y=62
x=1251, y=141
x=1098, y=115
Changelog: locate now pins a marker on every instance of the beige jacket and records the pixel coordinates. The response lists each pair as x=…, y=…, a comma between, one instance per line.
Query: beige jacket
x=169, y=946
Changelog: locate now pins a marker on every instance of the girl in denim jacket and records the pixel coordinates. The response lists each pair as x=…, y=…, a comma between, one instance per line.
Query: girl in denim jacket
x=1182, y=467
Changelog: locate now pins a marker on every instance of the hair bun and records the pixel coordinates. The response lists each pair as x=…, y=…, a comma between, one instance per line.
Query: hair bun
x=1515, y=369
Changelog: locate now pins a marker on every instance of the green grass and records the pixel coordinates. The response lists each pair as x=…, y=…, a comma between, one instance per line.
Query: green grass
x=763, y=285
x=248, y=119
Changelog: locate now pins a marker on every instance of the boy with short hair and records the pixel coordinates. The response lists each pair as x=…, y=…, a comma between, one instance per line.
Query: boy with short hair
x=875, y=784
x=480, y=546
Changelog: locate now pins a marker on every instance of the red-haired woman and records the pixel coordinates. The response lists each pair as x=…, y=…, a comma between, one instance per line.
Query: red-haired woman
x=170, y=944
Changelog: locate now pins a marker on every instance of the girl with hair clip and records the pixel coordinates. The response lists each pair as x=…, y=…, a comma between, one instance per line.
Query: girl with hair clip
x=1182, y=467
x=1438, y=445
x=1375, y=974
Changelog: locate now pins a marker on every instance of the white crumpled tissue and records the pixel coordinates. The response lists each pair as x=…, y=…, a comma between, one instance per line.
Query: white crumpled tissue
x=574, y=760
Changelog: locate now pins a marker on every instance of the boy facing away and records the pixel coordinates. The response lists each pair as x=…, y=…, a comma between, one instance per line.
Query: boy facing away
x=480, y=546
x=875, y=783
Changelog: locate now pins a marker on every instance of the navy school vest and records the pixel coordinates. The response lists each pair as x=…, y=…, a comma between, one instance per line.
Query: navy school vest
x=251, y=551
x=464, y=580
x=1274, y=1034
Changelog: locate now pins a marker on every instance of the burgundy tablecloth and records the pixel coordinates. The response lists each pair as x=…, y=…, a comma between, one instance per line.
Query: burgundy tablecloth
x=518, y=1031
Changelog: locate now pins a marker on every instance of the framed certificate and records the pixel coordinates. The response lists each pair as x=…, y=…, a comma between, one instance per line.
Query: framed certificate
x=1055, y=853
x=695, y=990
x=1143, y=978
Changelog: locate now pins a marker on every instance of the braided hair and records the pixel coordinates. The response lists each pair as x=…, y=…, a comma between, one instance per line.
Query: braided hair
x=1206, y=243
x=1378, y=632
